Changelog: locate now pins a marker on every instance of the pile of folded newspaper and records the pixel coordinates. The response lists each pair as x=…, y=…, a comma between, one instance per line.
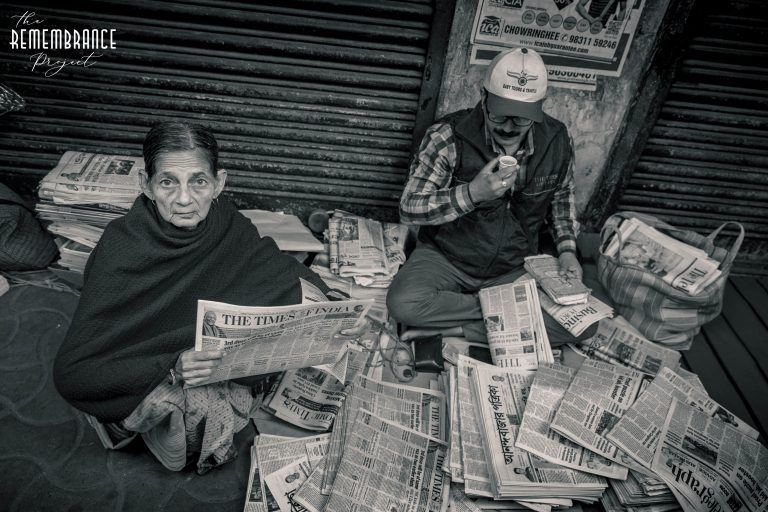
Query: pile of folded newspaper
x=615, y=419
x=363, y=255
x=365, y=250
x=622, y=411
x=81, y=195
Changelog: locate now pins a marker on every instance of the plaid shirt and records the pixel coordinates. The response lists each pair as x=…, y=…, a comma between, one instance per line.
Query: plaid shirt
x=428, y=199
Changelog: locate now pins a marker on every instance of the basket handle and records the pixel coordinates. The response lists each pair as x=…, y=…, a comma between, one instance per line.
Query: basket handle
x=734, y=250
x=605, y=237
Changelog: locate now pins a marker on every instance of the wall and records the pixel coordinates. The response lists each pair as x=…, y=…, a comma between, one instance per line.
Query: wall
x=593, y=118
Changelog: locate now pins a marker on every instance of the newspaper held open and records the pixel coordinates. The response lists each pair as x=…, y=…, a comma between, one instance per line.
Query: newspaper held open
x=260, y=340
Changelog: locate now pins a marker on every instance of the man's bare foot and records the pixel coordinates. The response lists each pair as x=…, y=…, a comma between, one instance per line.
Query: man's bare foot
x=410, y=334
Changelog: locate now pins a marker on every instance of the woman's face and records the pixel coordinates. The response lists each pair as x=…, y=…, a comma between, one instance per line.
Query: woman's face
x=183, y=187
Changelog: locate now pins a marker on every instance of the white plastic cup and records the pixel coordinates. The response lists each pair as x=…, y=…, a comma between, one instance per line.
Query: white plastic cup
x=507, y=161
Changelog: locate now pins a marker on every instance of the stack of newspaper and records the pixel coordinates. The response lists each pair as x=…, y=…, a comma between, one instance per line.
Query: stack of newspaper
x=682, y=266
x=545, y=269
x=488, y=406
x=81, y=195
x=386, y=452
x=639, y=492
x=365, y=250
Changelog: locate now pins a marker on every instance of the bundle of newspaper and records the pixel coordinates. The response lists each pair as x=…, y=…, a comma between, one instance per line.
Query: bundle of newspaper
x=634, y=493
x=482, y=455
x=682, y=266
x=669, y=428
x=515, y=325
x=364, y=249
x=500, y=395
x=279, y=467
x=563, y=290
x=89, y=178
x=261, y=340
x=347, y=286
x=81, y=195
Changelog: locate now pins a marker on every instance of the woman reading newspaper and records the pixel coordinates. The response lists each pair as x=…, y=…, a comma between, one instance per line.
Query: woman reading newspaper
x=131, y=342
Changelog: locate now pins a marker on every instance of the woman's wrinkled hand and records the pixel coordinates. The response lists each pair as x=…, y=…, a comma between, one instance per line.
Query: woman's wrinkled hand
x=196, y=367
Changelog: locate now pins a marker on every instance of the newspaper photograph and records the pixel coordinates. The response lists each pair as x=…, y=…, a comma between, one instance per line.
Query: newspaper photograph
x=285, y=482
x=638, y=432
x=515, y=326
x=549, y=385
x=387, y=467
x=598, y=396
x=260, y=340
x=583, y=35
x=308, y=398
x=714, y=466
x=273, y=455
x=309, y=494
x=361, y=246
x=576, y=318
x=501, y=395
x=617, y=341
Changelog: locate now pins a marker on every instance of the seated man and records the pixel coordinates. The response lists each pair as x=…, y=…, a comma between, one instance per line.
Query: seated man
x=479, y=222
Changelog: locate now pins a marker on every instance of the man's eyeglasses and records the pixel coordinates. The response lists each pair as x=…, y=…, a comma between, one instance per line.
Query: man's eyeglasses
x=516, y=120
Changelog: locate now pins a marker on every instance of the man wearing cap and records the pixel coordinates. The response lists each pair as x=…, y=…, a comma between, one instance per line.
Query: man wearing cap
x=478, y=222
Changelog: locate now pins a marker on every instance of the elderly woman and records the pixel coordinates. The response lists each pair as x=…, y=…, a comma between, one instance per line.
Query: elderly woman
x=129, y=348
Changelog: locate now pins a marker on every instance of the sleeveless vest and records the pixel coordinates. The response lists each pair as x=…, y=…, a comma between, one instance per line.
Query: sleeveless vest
x=492, y=239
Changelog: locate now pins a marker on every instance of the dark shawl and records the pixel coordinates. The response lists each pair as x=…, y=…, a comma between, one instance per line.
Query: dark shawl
x=138, y=306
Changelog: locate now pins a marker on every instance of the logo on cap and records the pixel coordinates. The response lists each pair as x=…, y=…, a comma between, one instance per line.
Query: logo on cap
x=522, y=77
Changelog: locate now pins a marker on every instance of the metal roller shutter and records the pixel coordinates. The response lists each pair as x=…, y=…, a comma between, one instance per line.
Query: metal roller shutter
x=314, y=102
x=706, y=160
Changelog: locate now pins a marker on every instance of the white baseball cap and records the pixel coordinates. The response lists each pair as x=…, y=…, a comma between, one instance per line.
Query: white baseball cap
x=516, y=81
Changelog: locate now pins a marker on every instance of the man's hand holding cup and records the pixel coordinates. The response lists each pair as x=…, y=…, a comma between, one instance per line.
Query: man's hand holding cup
x=491, y=182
